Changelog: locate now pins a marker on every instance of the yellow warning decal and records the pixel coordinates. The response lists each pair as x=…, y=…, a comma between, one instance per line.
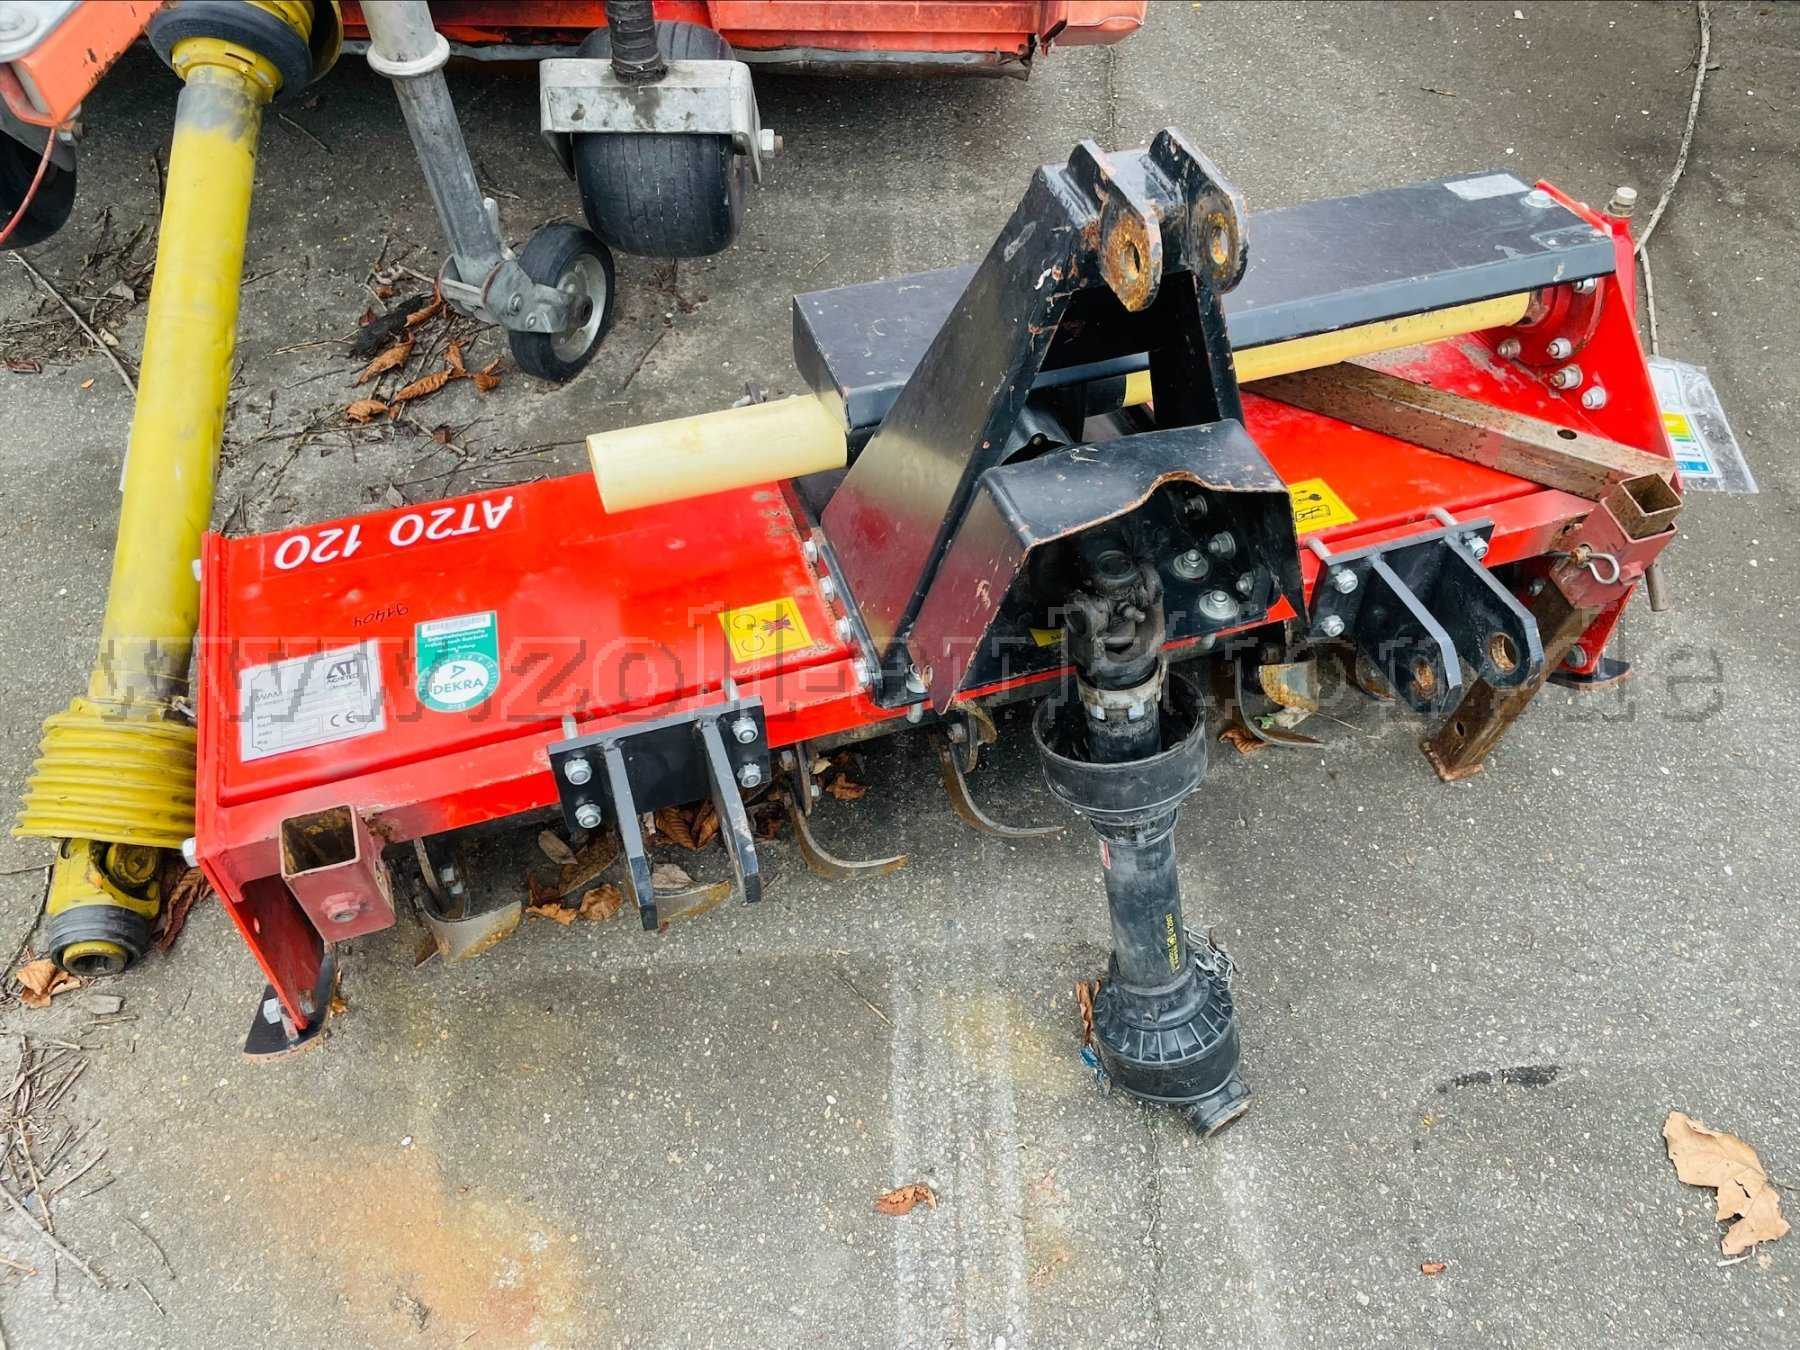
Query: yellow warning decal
x=1317, y=507
x=759, y=631
x=1047, y=637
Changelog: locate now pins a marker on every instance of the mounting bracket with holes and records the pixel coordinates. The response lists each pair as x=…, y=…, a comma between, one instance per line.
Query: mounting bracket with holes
x=1422, y=607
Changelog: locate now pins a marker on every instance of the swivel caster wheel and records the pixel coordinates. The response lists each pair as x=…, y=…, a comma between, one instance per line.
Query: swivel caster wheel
x=572, y=260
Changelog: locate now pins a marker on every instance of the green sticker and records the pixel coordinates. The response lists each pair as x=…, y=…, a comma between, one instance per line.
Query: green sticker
x=459, y=660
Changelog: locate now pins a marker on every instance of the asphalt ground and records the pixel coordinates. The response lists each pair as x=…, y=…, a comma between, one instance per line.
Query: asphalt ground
x=594, y=1137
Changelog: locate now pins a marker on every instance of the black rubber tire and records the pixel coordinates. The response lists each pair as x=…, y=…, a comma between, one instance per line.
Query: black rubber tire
x=663, y=196
x=55, y=198
x=555, y=254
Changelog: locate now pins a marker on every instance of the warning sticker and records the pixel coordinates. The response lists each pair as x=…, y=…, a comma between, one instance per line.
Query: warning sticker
x=310, y=700
x=1706, y=451
x=1317, y=507
x=756, y=632
x=458, y=660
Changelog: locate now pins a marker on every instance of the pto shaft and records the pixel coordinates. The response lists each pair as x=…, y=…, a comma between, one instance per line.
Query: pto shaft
x=115, y=782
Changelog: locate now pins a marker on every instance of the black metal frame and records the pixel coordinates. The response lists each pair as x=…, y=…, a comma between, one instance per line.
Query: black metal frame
x=1422, y=607
x=668, y=762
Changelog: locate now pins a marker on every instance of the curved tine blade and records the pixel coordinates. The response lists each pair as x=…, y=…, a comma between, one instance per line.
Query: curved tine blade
x=1292, y=740
x=964, y=805
x=829, y=865
x=459, y=939
x=673, y=906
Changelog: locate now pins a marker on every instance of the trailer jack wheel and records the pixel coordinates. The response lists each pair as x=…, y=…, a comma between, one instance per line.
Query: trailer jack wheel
x=574, y=261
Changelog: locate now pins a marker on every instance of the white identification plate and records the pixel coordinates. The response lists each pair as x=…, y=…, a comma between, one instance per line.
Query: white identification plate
x=310, y=700
x=1488, y=185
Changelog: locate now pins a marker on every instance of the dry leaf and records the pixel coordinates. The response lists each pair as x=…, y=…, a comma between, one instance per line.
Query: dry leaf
x=844, y=789
x=183, y=895
x=365, y=408
x=422, y=387
x=706, y=825
x=1084, y=999
x=442, y=433
x=672, y=822
x=904, y=1199
x=669, y=877
x=552, y=909
x=554, y=847
x=20, y=365
x=88, y=383
x=429, y=312
x=487, y=379
x=338, y=1006
x=454, y=359
x=601, y=903
x=41, y=981
x=394, y=356
x=1706, y=1157
x=1433, y=1267
x=768, y=818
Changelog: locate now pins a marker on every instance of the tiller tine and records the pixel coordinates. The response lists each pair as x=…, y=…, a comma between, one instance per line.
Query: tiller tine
x=829, y=865
x=957, y=787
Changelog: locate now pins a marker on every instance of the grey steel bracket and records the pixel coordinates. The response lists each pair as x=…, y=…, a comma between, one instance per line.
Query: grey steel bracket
x=580, y=96
x=1419, y=608
x=717, y=752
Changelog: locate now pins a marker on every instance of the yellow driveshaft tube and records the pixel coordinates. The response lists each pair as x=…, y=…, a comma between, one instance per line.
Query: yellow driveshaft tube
x=115, y=781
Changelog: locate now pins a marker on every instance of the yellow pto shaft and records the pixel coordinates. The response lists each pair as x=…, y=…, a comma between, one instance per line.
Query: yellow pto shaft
x=115, y=781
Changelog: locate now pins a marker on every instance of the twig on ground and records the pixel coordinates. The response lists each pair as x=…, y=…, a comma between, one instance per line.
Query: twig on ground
x=304, y=132
x=57, y=1244
x=80, y=322
x=1704, y=15
x=164, y=1256
x=643, y=356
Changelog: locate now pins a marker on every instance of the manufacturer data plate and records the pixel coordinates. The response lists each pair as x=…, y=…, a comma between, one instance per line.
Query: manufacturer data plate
x=310, y=700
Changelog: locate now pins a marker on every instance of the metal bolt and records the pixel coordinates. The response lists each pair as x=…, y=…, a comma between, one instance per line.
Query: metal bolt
x=810, y=551
x=815, y=791
x=1539, y=198
x=1566, y=378
x=1190, y=566
x=749, y=776
x=1577, y=657
x=514, y=305
x=1221, y=545
x=587, y=815
x=1586, y=286
x=1508, y=348
x=1331, y=626
x=343, y=912
x=1593, y=398
x=1134, y=713
x=915, y=681
x=743, y=728
x=845, y=630
x=768, y=142
x=1624, y=200
x=190, y=851
x=1218, y=606
x=1560, y=349
x=1343, y=580
x=828, y=588
x=1536, y=587
x=578, y=771
x=860, y=669
x=15, y=22
x=1477, y=545
x=916, y=713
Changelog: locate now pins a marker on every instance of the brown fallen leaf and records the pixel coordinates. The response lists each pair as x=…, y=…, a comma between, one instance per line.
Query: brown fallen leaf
x=365, y=408
x=554, y=847
x=552, y=909
x=601, y=903
x=1084, y=999
x=487, y=379
x=669, y=877
x=428, y=313
x=454, y=359
x=442, y=433
x=844, y=788
x=21, y=365
x=706, y=825
x=337, y=1005
x=1433, y=1267
x=187, y=891
x=672, y=822
x=1707, y=1157
x=41, y=981
x=394, y=356
x=905, y=1199
x=88, y=383
x=423, y=387
x=768, y=819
